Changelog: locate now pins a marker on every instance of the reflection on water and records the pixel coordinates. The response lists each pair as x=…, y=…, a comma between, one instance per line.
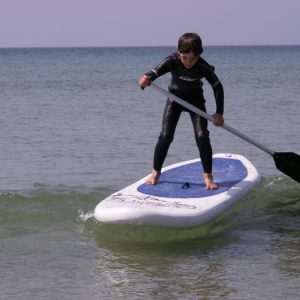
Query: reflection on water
x=245, y=251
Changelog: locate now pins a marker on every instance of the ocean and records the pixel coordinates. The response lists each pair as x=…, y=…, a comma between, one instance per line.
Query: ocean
x=75, y=127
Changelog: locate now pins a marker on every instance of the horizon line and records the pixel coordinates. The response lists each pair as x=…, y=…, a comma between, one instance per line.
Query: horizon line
x=146, y=46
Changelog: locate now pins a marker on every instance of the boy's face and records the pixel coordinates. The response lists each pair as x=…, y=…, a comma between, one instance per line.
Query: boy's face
x=188, y=59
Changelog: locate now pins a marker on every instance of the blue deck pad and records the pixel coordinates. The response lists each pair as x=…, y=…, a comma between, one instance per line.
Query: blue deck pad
x=187, y=181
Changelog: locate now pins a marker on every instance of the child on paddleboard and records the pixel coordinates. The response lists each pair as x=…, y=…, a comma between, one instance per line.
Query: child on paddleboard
x=188, y=69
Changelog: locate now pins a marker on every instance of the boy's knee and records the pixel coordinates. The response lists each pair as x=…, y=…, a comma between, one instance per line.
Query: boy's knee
x=165, y=138
x=202, y=137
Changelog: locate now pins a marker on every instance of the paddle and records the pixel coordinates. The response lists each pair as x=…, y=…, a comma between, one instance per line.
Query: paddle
x=286, y=162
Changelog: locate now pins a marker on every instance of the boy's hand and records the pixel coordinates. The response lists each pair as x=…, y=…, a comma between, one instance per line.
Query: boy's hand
x=218, y=120
x=144, y=81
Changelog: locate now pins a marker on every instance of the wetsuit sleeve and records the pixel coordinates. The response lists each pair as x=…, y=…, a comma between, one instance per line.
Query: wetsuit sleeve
x=164, y=67
x=217, y=87
x=219, y=96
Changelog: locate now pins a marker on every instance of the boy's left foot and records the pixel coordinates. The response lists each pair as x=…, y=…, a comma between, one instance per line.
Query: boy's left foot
x=153, y=177
x=209, y=183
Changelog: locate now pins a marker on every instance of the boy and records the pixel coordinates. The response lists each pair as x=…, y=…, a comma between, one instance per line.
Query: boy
x=187, y=69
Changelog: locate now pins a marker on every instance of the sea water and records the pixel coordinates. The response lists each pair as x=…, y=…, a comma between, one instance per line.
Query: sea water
x=75, y=127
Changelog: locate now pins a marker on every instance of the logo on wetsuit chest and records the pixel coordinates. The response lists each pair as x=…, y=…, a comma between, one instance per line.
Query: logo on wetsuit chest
x=185, y=78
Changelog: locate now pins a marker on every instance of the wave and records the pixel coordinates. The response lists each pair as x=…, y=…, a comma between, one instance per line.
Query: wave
x=275, y=198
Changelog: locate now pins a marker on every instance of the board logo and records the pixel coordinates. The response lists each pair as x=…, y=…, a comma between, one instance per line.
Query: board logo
x=148, y=201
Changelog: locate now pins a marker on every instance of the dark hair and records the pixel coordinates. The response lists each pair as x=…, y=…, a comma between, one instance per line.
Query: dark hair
x=190, y=42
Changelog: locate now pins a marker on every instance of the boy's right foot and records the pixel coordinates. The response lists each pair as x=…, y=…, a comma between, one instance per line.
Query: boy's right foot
x=209, y=183
x=153, y=177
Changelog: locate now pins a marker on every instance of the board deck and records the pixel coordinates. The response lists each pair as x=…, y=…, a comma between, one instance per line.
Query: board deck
x=180, y=198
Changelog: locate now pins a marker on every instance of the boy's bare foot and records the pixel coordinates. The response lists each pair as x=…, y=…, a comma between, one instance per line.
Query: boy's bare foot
x=209, y=183
x=153, y=177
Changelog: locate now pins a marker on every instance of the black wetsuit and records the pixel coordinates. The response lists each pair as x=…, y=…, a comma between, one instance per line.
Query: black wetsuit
x=186, y=84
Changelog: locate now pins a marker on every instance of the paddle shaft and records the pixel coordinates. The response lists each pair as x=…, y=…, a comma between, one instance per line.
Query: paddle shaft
x=210, y=118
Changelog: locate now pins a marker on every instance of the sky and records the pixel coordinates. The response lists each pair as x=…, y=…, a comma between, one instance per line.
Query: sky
x=100, y=23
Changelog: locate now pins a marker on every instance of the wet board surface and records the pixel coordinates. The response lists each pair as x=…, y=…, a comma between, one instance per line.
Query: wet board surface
x=185, y=181
x=180, y=198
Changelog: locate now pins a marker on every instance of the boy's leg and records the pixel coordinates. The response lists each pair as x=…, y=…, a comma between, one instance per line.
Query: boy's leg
x=170, y=119
x=204, y=147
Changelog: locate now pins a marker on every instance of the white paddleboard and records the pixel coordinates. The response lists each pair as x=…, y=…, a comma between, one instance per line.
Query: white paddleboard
x=180, y=198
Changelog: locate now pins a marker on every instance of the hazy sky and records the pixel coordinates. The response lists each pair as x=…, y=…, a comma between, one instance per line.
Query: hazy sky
x=64, y=23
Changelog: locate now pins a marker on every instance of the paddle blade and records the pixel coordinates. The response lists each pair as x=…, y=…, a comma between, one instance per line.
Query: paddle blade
x=288, y=163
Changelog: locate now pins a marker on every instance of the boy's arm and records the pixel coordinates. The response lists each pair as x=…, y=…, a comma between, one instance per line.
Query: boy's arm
x=211, y=77
x=219, y=96
x=164, y=67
